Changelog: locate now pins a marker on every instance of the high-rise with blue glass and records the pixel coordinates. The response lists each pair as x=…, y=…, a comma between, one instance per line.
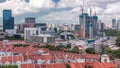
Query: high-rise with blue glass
x=8, y=20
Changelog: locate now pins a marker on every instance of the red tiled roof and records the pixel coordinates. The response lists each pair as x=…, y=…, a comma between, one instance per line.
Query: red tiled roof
x=94, y=64
x=53, y=65
x=11, y=59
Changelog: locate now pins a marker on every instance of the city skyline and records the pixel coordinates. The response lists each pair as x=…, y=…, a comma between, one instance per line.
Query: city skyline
x=56, y=11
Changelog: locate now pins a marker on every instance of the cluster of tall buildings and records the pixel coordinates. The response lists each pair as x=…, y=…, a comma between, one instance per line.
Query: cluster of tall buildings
x=88, y=25
x=88, y=28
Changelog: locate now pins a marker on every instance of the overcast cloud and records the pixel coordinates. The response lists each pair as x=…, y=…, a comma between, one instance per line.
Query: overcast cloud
x=60, y=11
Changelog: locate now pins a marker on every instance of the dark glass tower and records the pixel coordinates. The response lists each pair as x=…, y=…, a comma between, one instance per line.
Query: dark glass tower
x=8, y=20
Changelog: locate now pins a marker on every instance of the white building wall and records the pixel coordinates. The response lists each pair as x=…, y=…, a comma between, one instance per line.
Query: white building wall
x=10, y=31
x=31, y=31
x=105, y=58
x=118, y=25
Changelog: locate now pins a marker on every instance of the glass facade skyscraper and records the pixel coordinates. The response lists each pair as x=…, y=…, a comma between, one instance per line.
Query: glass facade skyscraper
x=8, y=20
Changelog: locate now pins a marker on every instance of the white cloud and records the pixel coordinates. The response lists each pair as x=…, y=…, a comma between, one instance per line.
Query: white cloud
x=113, y=8
x=61, y=17
x=105, y=14
x=42, y=3
x=21, y=6
x=105, y=9
x=69, y=3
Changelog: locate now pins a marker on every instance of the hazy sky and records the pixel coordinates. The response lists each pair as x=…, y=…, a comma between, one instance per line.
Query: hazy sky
x=60, y=11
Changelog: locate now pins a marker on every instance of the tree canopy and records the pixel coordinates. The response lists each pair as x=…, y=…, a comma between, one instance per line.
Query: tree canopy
x=90, y=50
x=118, y=41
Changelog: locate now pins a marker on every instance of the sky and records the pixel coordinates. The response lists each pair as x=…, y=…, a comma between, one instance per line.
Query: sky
x=60, y=11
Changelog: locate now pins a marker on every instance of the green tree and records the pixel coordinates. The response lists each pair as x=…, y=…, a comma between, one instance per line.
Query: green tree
x=118, y=41
x=110, y=32
x=88, y=66
x=68, y=66
x=75, y=49
x=68, y=46
x=8, y=66
x=90, y=50
x=116, y=53
x=107, y=50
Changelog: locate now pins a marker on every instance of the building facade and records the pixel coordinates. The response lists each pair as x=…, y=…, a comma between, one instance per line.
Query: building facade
x=43, y=38
x=101, y=26
x=77, y=30
x=28, y=32
x=10, y=31
x=88, y=25
x=114, y=24
x=8, y=20
x=35, y=35
x=118, y=25
x=29, y=20
x=43, y=26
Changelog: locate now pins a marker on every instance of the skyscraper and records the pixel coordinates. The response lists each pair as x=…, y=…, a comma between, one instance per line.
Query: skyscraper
x=118, y=25
x=8, y=20
x=101, y=26
x=114, y=24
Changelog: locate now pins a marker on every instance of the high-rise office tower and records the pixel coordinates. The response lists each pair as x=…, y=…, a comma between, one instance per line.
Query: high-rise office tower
x=8, y=20
x=114, y=26
x=29, y=20
x=101, y=26
x=118, y=25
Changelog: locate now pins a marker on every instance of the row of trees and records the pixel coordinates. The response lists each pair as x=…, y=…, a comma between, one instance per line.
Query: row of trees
x=118, y=41
x=111, y=32
x=8, y=66
x=66, y=48
x=113, y=53
x=21, y=45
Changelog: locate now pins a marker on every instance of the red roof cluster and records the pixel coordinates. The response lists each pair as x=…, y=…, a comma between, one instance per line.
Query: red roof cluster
x=30, y=53
x=93, y=64
x=52, y=65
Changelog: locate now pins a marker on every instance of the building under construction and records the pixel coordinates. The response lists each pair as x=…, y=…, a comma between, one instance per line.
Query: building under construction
x=88, y=23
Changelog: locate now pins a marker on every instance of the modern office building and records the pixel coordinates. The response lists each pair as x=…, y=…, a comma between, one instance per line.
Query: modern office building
x=52, y=31
x=118, y=25
x=8, y=20
x=114, y=26
x=43, y=26
x=101, y=26
x=77, y=30
x=67, y=36
x=29, y=20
